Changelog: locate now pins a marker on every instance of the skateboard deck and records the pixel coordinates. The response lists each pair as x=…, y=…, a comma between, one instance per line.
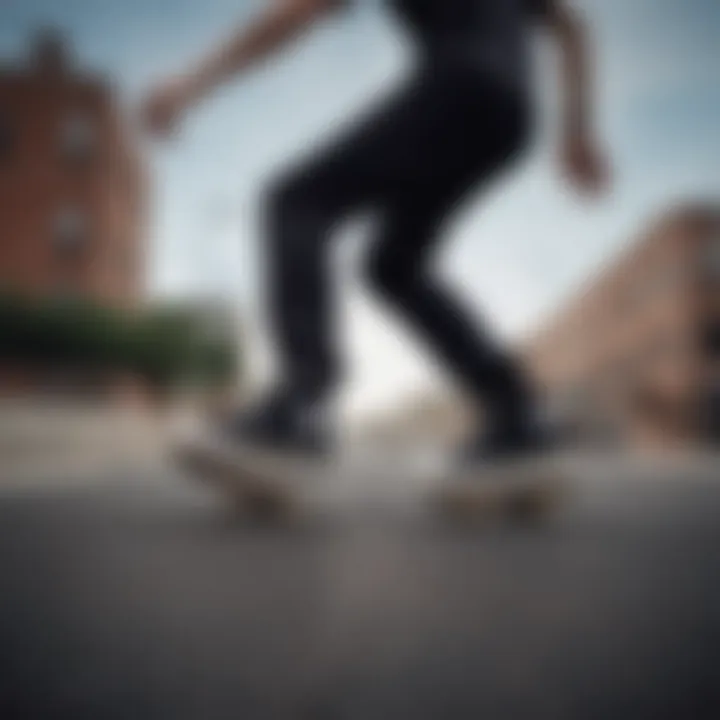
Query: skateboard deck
x=271, y=486
x=264, y=487
x=515, y=490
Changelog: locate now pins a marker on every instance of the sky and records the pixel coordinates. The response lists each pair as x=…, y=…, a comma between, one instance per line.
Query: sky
x=514, y=255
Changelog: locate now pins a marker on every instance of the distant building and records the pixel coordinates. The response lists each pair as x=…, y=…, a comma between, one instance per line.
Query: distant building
x=72, y=192
x=634, y=356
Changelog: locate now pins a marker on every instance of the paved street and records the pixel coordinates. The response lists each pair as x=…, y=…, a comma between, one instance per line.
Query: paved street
x=142, y=597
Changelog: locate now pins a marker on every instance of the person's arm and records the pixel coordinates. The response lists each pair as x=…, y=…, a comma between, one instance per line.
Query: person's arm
x=281, y=23
x=582, y=159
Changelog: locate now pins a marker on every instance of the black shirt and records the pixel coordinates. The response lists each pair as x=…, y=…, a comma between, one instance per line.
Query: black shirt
x=488, y=36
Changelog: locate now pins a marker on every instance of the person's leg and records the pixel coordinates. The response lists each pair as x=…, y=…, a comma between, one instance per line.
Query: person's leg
x=300, y=212
x=400, y=269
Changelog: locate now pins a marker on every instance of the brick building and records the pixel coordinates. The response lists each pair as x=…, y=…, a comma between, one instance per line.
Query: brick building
x=72, y=213
x=634, y=356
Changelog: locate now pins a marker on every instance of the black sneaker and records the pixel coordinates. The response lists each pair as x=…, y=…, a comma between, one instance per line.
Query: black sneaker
x=280, y=423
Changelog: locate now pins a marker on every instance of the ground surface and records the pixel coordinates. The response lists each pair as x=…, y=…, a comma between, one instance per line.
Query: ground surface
x=141, y=597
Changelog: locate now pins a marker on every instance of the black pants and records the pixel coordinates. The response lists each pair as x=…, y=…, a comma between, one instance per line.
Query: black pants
x=415, y=157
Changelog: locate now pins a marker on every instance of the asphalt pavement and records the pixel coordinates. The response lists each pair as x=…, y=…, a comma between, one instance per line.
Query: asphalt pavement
x=144, y=597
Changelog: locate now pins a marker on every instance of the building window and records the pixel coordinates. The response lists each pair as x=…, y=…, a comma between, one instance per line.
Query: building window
x=69, y=230
x=78, y=137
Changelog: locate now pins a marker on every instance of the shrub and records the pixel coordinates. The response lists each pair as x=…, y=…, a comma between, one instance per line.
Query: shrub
x=167, y=346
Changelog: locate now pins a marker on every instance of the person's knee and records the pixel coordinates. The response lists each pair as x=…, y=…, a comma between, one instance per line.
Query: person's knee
x=390, y=275
x=296, y=221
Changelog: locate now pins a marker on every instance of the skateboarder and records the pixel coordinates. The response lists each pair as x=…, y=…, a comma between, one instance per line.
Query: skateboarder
x=460, y=118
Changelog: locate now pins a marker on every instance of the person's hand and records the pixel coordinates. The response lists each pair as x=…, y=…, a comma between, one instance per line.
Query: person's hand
x=584, y=164
x=165, y=106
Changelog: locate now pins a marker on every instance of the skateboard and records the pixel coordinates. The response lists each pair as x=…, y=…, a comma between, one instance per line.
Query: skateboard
x=271, y=486
x=516, y=491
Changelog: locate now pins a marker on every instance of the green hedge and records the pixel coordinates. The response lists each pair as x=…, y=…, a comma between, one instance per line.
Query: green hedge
x=167, y=346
